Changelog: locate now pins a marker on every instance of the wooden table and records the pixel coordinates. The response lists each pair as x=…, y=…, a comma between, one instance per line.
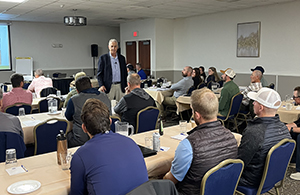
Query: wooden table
x=54, y=180
x=288, y=116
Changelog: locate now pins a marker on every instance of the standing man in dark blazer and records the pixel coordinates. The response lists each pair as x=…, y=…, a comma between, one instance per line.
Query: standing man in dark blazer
x=112, y=72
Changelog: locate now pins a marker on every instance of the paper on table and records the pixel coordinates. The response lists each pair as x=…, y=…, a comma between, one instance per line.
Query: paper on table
x=298, y=108
x=179, y=136
x=15, y=170
x=162, y=148
x=30, y=123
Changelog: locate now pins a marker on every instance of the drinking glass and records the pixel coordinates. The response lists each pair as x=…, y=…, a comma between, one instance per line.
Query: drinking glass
x=58, y=93
x=149, y=142
x=21, y=112
x=11, y=158
x=65, y=160
x=182, y=125
x=145, y=85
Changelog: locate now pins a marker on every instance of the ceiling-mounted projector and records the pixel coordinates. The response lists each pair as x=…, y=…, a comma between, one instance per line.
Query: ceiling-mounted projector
x=75, y=20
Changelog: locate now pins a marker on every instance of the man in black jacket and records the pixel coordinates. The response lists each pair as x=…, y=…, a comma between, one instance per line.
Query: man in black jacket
x=261, y=134
x=135, y=100
x=112, y=72
x=205, y=146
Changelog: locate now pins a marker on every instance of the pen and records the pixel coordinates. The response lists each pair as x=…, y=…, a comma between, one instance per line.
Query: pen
x=162, y=149
x=182, y=134
x=33, y=118
x=24, y=168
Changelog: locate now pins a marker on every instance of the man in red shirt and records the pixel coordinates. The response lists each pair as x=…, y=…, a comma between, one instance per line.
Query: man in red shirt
x=17, y=94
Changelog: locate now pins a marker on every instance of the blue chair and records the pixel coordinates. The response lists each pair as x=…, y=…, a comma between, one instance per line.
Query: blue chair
x=189, y=92
x=223, y=178
x=47, y=91
x=147, y=119
x=26, y=85
x=45, y=135
x=235, y=105
x=276, y=164
x=272, y=85
x=113, y=120
x=9, y=140
x=201, y=85
x=14, y=109
x=155, y=187
x=43, y=104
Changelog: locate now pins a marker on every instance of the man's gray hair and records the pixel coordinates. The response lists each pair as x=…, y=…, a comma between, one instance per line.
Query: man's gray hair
x=134, y=79
x=1, y=94
x=258, y=73
x=112, y=40
x=39, y=72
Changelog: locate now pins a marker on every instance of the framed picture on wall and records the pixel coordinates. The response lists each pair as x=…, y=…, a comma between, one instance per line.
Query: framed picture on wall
x=248, y=39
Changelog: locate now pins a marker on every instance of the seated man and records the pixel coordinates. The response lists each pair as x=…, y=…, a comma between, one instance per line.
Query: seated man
x=17, y=94
x=263, y=81
x=9, y=123
x=261, y=134
x=181, y=87
x=294, y=129
x=229, y=90
x=76, y=137
x=108, y=163
x=206, y=145
x=73, y=91
x=140, y=71
x=135, y=100
x=39, y=82
x=130, y=69
x=255, y=86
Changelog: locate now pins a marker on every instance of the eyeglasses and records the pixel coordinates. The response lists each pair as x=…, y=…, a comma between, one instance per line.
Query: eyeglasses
x=294, y=97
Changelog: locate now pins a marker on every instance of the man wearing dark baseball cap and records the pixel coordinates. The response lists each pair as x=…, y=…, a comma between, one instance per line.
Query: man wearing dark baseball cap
x=260, y=135
x=263, y=81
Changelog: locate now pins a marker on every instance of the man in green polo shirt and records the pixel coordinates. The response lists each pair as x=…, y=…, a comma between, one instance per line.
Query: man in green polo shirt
x=228, y=91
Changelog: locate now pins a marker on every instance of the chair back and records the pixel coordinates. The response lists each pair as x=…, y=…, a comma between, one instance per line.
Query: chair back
x=26, y=85
x=45, y=135
x=222, y=178
x=235, y=104
x=190, y=90
x=3, y=87
x=46, y=91
x=272, y=85
x=43, y=104
x=155, y=187
x=201, y=85
x=208, y=85
x=14, y=109
x=113, y=120
x=147, y=119
x=276, y=164
x=9, y=140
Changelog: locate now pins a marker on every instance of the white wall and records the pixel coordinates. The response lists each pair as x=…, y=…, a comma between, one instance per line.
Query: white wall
x=146, y=29
x=211, y=40
x=36, y=39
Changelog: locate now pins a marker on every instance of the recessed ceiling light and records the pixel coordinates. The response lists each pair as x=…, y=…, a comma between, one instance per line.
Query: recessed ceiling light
x=14, y=1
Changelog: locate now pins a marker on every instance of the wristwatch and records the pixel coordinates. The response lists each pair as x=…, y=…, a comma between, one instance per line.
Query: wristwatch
x=292, y=128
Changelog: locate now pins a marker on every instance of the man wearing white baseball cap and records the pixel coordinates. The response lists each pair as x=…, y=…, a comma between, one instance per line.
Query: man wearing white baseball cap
x=228, y=91
x=262, y=133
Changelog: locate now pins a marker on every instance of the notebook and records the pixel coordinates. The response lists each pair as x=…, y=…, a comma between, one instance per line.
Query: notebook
x=147, y=152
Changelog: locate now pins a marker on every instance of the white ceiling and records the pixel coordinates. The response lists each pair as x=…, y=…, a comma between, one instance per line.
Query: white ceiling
x=114, y=12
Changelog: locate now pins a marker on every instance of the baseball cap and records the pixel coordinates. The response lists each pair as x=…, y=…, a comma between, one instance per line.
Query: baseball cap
x=267, y=97
x=229, y=72
x=260, y=68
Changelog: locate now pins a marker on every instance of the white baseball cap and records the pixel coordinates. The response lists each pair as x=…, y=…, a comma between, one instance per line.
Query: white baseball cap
x=267, y=97
x=229, y=72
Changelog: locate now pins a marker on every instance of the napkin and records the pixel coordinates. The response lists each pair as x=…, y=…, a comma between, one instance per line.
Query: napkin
x=179, y=136
x=15, y=170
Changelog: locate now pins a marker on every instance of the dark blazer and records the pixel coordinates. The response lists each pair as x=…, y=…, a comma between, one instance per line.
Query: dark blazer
x=104, y=74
